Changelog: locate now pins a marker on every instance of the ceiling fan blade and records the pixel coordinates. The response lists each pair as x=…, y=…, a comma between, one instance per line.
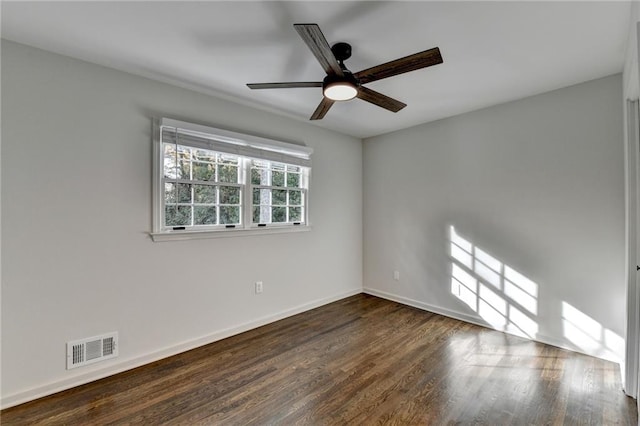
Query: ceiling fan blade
x=379, y=99
x=399, y=66
x=289, y=85
x=322, y=109
x=314, y=38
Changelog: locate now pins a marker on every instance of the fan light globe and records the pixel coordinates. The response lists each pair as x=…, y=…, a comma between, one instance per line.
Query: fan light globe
x=340, y=91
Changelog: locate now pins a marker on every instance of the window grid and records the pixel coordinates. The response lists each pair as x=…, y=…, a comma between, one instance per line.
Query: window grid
x=281, y=193
x=204, y=189
x=203, y=169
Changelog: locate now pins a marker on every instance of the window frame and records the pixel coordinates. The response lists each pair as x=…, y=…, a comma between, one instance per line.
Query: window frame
x=247, y=148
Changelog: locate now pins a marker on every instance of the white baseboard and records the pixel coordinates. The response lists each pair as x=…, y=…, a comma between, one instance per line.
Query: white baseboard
x=547, y=340
x=60, y=385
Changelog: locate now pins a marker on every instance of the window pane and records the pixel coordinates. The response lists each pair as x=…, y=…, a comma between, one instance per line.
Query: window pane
x=204, y=215
x=261, y=196
x=227, y=159
x=295, y=214
x=184, y=193
x=229, y=215
x=177, y=215
x=259, y=163
x=256, y=177
x=173, y=172
x=229, y=195
x=265, y=214
x=182, y=172
x=261, y=214
x=203, y=155
x=204, y=194
x=295, y=198
x=279, y=197
x=204, y=171
x=277, y=178
x=279, y=214
x=293, y=180
x=278, y=166
x=169, y=161
x=184, y=153
x=169, y=150
x=169, y=192
x=228, y=174
x=291, y=168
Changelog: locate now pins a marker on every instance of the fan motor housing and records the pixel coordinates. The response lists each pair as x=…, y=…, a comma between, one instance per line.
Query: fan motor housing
x=342, y=51
x=347, y=78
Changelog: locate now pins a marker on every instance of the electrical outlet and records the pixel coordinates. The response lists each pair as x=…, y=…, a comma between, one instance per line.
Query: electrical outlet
x=396, y=275
x=258, y=287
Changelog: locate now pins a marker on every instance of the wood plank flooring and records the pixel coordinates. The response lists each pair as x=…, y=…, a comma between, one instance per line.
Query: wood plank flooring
x=361, y=360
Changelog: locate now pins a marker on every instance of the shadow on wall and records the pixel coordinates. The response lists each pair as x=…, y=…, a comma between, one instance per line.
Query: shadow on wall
x=508, y=301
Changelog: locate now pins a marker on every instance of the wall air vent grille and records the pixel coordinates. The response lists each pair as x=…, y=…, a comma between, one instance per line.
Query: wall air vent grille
x=78, y=354
x=92, y=349
x=108, y=346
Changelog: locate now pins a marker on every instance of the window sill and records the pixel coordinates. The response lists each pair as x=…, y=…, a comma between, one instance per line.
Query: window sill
x=223, y=233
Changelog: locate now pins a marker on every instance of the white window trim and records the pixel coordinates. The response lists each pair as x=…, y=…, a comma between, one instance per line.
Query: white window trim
x=233, y=138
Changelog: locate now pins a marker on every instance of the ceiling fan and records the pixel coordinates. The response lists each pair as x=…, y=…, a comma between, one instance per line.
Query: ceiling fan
x=340, y=84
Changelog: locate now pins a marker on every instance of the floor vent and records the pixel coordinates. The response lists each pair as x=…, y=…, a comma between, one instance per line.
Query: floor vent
x=93, y=349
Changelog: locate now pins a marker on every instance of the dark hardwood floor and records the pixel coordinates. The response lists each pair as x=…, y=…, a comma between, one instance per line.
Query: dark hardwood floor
x=361, y=360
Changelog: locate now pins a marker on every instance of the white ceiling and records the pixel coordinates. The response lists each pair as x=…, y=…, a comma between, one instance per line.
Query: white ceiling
x=493, y=51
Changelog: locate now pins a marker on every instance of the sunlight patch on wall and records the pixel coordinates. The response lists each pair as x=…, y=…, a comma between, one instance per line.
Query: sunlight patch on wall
x=464, y=286
x=507, y=301
x=589, y=336
x=492, y=308
x=500, y=295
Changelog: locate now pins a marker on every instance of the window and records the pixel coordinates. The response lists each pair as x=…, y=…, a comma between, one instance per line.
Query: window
x=201, y=187
x=210, y=182
x=278, y=192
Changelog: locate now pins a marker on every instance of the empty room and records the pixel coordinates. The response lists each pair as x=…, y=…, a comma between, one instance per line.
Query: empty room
x=298, y=212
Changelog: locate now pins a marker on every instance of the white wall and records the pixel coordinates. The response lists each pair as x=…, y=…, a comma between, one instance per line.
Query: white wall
x=537, y=184
x=76, y=212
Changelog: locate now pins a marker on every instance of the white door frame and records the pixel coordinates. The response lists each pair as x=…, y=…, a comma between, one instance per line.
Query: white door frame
x=632, y=148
